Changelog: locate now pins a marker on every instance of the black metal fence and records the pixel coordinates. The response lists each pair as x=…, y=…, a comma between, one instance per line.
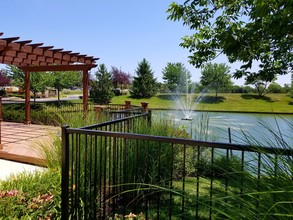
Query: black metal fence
x=50, y=112
x=107, y=169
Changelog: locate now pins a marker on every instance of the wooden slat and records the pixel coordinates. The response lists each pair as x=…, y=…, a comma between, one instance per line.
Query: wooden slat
x=32, y=57
x=22, y=55
x=11, y=53
x=56, y=50
x=38, y=51
x=10, y=39
x=36, y=45
x=47, y=47
x=27, y=49
x=66, y=51
x=48, y=53
x=14, y=46
x=76, y=67
x=23, y=42
x=3, y=42
x=25, y=53
x=18, y=59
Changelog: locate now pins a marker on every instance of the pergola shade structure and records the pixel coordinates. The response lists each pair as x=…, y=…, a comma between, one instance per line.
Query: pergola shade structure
x=34, y=57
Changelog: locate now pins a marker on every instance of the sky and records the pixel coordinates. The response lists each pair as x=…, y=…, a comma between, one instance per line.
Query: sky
x=120, y=33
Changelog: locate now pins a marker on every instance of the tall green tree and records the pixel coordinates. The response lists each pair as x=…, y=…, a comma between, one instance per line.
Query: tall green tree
x=275, y=88
x=144, y=84
x=16, y=75
x=215, y=76
x=65, y=80
x=176, y=77
x=261, y=84
x=38, y=83
x=102, y=87
x=243, y=30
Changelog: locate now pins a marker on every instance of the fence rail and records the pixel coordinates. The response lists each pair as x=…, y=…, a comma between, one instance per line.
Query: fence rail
x=108, y=169
x=48, y=112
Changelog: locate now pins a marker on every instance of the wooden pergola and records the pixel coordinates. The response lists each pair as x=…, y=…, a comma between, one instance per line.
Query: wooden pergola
x=34, y=57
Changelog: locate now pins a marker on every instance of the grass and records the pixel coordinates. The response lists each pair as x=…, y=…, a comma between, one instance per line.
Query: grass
x=230, y=102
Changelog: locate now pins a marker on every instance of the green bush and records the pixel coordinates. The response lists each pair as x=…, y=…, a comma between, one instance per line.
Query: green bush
x=31, y=196
x=2, y=92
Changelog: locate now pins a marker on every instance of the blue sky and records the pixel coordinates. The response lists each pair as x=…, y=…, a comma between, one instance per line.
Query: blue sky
x=120, y=33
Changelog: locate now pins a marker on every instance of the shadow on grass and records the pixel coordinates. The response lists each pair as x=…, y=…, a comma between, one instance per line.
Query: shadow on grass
x=204, y=99
x=167, y=96
x=254, y=96
x=212, y=99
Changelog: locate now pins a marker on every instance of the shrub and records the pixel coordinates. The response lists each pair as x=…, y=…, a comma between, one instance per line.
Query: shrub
x=31, y=196
x=2, y=92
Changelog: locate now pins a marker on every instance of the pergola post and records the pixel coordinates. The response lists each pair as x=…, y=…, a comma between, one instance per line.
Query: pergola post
x=85, y=90
x=27, y=119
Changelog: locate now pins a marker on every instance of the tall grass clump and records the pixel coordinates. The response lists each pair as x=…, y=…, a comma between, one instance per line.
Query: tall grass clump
x=265, y=190
x=50, y=149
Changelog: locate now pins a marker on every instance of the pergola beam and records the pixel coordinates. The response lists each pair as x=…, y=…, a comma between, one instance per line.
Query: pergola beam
x=77, y=67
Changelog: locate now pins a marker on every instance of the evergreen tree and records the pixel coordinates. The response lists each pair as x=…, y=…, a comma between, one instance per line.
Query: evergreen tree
x=144, y=85
x=102, y=88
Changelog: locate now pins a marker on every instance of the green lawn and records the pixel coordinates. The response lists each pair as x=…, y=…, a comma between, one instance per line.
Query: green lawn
x=278, y=103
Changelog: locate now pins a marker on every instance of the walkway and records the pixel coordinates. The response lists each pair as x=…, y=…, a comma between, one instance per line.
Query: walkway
x=19, y=141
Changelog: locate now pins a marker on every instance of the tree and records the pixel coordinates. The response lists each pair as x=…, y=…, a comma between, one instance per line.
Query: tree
x=260, y=83
x=65, y=80
x=16, y=75
x=38, y=80
x=215, y=76
x=38, y=83
x=144, y=85
x=275, y=88
x=4, y=80
x=102, y=88
x=176, y=77
x=120, y=78
x=245, y=31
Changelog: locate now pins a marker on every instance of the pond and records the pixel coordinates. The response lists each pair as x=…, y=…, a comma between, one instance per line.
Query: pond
x=261, y=129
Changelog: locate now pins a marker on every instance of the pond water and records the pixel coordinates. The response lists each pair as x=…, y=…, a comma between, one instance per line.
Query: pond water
x=265, y=129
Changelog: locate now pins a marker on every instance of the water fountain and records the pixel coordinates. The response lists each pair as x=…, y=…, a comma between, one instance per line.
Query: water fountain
x=186, y=102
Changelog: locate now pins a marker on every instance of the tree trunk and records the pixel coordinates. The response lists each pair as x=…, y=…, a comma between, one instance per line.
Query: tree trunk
x=58, y=92
x=35, y=98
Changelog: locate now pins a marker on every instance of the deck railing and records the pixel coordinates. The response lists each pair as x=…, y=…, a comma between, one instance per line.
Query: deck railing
x=49, y=112
x=107, y=169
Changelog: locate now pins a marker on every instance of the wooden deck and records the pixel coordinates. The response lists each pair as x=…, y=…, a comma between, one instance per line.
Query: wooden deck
x=19, y=142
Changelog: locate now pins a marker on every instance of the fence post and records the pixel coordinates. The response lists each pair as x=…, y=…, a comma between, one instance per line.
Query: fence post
x=65, y=174
x=127, y=104
x=99, y=110
x=1, y=119
x=149, y=117
x=144, y=106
